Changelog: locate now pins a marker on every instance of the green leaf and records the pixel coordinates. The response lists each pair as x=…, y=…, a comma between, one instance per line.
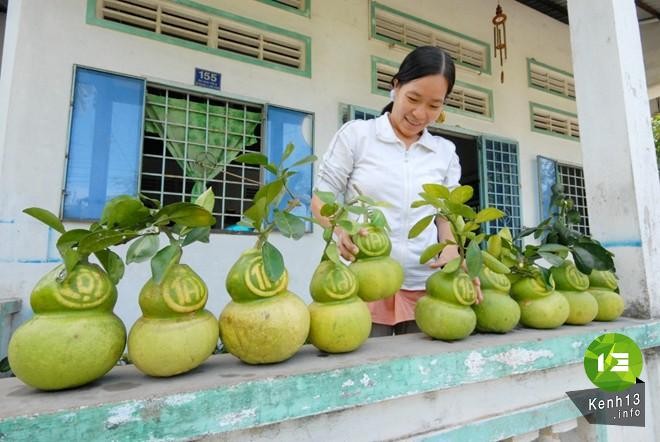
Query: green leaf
x=289, y=225
x=377, y=218
x=553, y=248
x=420, y=226
x=473, y=259
x=200, y=234
x=326, y=197
x=553, y=259
x=329, y=209
x=142, y=248
x=525, y=232
x=351, y=227
x=271, y=168
x=435, y=202
x=488, y=214
x=206, y=200
x=151, y=202
x=461, y=209
x=252, y=158
x=431, y=251
x=358, y=210
x=366, y=199
x=273, y=261
x=185, y=214
x=304, y=160
x=327, y=234
x=452, y=265
x=70, y=240
x=112, y=264
x=436, y=190
x=589, y=256
x=545, y=275
x=164, y=260
x=419, y=203
x=125, y=212
x=257, y=212
x=103, y=239
x=461, y=194
x=332, y=253
x=288, y=150
x=46, y=217
x=480, y=237
x=270, y=191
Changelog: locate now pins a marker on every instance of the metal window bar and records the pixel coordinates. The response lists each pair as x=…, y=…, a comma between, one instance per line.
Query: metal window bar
x=572, y=179
x=233, y=188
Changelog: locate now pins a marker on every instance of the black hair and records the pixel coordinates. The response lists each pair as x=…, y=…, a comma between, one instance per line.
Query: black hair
x=423, y=61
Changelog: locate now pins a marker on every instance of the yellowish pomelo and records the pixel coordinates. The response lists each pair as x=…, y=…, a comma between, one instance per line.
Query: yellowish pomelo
x=583, y=307
x=443, y=320
x=332, y=282
x=378, y=278
x=247, y=278
x=339, y=327
x=375, y=243
x=54, y=351
x=497, y=312
x=610, y=304
x=265, y=331
x=170, y=346
x=549, y=311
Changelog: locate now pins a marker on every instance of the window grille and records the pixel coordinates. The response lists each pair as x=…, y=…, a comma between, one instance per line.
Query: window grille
x=572, y=179
x=396, y=27
x=297, y=6
x=500, y=183
x=223, y=33
x=350, y=112
x=189, y=143
x=554, y=122
x=549, y=79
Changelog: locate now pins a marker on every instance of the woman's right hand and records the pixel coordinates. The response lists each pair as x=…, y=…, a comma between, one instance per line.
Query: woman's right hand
x=346, y=246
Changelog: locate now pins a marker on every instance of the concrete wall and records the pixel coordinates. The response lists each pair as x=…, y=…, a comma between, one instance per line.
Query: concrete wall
x=38, y=81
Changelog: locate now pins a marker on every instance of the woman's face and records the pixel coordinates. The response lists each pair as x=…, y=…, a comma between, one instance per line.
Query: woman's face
x=417, y=104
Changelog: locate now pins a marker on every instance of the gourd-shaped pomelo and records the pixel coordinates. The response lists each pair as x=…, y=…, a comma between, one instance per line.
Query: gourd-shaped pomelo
x=497, y=312
x=74, y=337
x=339, y=321
x=540, y=306
x=265, y=323
x=602, y=286
x=444, y=312
x=573, y=285
x=378, y=275
x=174, y=334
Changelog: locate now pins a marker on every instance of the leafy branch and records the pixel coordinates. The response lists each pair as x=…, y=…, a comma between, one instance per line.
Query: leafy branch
x=463, y=221
x=264, y=214
x=587, y=253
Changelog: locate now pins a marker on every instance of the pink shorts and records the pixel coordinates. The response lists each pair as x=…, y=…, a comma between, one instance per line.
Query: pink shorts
x=395, y=309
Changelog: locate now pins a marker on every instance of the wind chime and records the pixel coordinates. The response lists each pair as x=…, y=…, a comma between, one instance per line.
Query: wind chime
x=499, y=37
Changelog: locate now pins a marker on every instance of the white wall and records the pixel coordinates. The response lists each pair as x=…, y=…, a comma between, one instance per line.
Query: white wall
x=53, y=36
x=3, y=18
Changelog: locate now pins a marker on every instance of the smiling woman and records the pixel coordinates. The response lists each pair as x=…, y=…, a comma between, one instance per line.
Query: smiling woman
x=389, y=159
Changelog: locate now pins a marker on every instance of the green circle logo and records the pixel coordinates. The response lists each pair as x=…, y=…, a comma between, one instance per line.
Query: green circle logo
x=613, y=362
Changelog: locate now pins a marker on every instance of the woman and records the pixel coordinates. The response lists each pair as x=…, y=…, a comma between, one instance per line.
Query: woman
x=389, y=159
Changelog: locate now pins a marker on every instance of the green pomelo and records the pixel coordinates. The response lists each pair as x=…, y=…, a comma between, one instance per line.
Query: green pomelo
x=583, y=307
x=378, y=278
x=181, y=292
x=568, y=277
x=247, y=279
x=603, y=278
x=497, y=312
x=332, y=282
x=530, y=288
x=265, y=331
x=87, y=287
x=170, y=346
x=495, y=281
x=455, y=288
x=375, y=243
x=339, y=327
x=610, y=304
x=442, y=320
x=551, y=311
x=55, y=351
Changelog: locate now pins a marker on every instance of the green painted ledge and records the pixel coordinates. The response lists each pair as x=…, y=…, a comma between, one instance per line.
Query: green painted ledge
x=225, y=395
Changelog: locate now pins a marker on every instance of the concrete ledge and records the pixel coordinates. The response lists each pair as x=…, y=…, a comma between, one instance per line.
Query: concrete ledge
x=225, y=395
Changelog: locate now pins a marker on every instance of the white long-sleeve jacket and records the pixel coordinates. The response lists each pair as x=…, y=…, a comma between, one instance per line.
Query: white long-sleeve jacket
x=367, y=153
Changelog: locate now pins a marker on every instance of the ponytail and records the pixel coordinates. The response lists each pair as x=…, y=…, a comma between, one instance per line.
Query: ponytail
x=387, y=108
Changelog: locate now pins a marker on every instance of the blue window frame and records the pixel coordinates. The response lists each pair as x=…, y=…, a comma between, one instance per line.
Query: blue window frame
x=104, y=142
x=290, y=126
